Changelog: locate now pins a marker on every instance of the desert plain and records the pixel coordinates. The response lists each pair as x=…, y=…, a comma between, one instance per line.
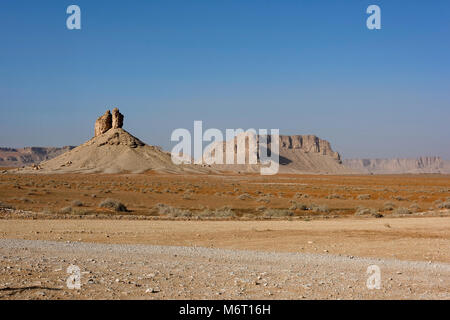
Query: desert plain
x=224, y=236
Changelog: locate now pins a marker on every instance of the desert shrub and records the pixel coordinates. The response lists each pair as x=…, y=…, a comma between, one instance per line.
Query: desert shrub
x=402, y=211
x=264, y=199
x=162, y=208
x=399, y=198
x=444, y=205
x=165, y=209
x=414, y=207
x=278, y=213
x=334, y=196
x=5, y=206
x=362, y=211
x=295, y=205
x=224, y=212
x=363, y=197
x=244, y=196
x=299, y=195
x=66, y=210
x=114, y=205
x=77, y=203
x=187, y=196
x=320, y=208
x=388, y=206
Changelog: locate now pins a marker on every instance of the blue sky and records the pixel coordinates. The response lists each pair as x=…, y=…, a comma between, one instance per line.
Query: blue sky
x=305, y=67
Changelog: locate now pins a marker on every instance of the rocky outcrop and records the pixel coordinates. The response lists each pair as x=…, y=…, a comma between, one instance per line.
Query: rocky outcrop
x=108, y=121
x=297, y=154
x=103, y=123
x=117, y=119
x=398, y=166
x=309, y=144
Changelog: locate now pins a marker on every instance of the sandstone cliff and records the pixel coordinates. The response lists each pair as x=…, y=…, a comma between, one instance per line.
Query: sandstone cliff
x=108, y=121
x=297, y=154
x=12, y=157
x=398, y=166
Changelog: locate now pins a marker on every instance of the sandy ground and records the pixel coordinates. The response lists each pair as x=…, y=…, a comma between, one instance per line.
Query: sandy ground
x=143, y=254
x=246, y=194
x=226, y=259
x=161, y=272
x=418, y=238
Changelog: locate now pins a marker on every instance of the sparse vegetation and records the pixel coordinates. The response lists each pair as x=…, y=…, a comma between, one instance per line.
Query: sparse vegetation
x=362, y=211
x=323, y=208
x=77, y=203
x=114, y=205
x=6, y=206
x=297, y=206
x=402, y=211
x=275, y=213
x=245, y=196
x=334, y=196
x=388, y=206
x=444, y=205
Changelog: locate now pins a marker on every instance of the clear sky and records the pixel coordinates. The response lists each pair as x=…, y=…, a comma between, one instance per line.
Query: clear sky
x=305, y=67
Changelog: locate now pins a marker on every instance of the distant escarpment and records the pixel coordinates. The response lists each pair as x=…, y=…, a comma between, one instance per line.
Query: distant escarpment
x=399, y=166
x=297, y=154
x=12, y=157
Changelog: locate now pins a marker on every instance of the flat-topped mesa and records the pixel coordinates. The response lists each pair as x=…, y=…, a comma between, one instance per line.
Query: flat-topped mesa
x=309, y=144
x=108, y=121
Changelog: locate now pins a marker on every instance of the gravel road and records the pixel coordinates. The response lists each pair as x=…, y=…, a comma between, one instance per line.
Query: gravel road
x=35, y=269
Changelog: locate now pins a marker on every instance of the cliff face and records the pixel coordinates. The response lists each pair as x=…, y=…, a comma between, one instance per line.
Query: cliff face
x=396, y=165
x=12, y=157
x=297, y=154
x=308, y=144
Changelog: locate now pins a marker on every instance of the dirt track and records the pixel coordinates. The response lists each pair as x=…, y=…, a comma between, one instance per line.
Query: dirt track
x=313, y=260
x=162, y=272
x=415, y=238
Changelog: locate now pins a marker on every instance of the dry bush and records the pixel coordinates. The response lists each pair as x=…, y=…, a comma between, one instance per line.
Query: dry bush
x=187, y=196
x=224, y=212
x=77, y=203
x=278, y=213
x=402, y=211
x=414, y=207
x=299, y=195
x=363, y=197
x=323, y=208
x=66, y=210
x=264, y=199
x=6, y=206
x=400, y=198
x=444, y=205
x=362, y=211
x=164, y=209
x=388, y=206
x=334, y=196
x=245, y=196
x=114, y=205
x=297, y=206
